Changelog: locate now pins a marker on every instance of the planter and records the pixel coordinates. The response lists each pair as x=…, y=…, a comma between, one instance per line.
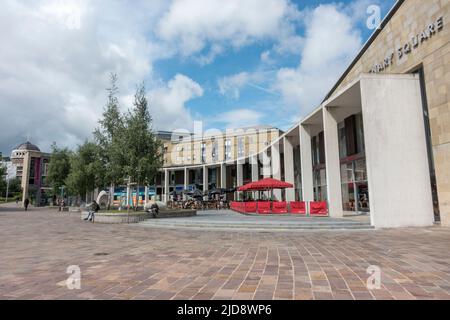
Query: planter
x=136, y=217
x=164, y=214
x=117, y=218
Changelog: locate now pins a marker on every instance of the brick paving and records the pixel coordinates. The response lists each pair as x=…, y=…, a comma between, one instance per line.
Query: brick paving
x=130, y=262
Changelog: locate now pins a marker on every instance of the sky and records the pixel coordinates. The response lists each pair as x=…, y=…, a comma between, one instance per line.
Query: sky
x=228, y=64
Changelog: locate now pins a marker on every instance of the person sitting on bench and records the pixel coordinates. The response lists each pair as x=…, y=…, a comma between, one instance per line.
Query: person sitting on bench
x=95, y=208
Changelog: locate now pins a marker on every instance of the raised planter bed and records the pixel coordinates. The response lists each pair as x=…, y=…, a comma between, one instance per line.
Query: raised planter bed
x=163, y=214
x=136, y=217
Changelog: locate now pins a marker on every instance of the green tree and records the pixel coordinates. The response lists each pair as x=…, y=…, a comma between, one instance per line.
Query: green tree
x=141, y=148
x=108, y=137
x=2, y=180
x=58, y=168
x=86, y=170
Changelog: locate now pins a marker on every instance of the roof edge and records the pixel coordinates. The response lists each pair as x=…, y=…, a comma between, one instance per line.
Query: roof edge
x=366, y=46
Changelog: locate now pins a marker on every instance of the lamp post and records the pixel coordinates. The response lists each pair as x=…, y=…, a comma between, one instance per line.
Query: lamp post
x=7, y=189
x=129, y=194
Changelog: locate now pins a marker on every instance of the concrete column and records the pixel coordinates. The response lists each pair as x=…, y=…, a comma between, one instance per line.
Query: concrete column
x=289, y=168
x=333, y=165
x=166, y=186
x=306, y=163
x=26, y=176
x=223, y=175
x=111, y=195
x=205, y=178
x=276, y=167
x=255, y=168
x=239, y=177
x=146, y=196
x=266, y=165
x=186, y=182
x=396, y=152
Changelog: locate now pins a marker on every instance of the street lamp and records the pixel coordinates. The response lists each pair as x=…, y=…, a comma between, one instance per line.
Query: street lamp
x=7, y=189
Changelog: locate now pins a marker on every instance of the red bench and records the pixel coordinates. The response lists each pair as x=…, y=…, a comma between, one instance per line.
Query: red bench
x=264, y=207
x=279, y=207
x=318, y=208
x=298, y=207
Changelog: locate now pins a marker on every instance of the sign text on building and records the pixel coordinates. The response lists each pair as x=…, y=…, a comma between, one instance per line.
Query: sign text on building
x=410, y=46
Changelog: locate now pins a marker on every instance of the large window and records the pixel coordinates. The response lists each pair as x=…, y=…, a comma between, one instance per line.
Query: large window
x=355, y=191
x=228, y=149
x=203, y=150
x=214, y=151
x=241, y=147
x=320, y=185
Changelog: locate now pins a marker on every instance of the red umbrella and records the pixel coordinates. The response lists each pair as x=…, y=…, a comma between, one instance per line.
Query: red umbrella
x=264, y=184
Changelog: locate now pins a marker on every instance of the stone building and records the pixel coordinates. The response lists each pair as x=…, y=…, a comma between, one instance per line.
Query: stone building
x=379, y=142
x=31, y=168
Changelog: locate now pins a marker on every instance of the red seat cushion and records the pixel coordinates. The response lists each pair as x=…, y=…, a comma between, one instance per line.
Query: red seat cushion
x=264, y=207
x=250, y=207
x=298, y=207
x=279, y=207
x=318, y=208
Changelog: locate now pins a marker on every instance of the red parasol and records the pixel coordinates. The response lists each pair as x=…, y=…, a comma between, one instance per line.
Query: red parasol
x=264, y=184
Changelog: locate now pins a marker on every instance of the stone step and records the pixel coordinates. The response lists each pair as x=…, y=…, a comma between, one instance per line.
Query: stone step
x=265, y=226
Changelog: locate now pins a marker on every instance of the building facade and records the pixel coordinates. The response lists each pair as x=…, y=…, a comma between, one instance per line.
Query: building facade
x=378, y=143
x=31, y=167
x=209, y=160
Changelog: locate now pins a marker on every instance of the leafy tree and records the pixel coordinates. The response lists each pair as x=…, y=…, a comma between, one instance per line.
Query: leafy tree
x=58, y=168
x=141, y=148
x=2, y=180
x=108, y=137
x=15, y=186
x=86, y=170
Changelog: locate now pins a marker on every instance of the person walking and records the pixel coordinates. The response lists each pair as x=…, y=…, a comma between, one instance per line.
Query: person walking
x=26, y=203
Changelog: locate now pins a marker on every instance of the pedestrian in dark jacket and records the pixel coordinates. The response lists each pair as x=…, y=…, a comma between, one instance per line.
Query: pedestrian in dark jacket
x=26, y=203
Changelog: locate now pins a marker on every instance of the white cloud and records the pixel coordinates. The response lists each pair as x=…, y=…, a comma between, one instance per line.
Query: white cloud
x=193, y=26
x=55, y=60
x=238, y=118
x=231, y=85
x=168, y=103
x=331, y=42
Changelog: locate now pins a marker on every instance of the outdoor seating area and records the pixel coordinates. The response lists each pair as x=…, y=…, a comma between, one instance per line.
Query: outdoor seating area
x=310, y=208
x=197, y=200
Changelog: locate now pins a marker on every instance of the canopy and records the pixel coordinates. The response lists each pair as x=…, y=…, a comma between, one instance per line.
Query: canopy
x=265, y=184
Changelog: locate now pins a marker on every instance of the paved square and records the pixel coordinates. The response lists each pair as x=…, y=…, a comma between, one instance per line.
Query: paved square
x=132, y=262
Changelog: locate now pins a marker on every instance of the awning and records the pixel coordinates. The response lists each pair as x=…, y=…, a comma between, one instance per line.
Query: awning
x=266, y=184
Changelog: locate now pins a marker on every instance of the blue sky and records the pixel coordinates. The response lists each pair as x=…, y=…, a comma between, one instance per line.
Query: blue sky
x=227, y=63
x=248, y=59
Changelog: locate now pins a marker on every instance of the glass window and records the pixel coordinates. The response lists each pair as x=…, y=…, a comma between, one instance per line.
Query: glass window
x=228, y=149
x=214, y=153
x=342, y=140
x=203, y=149
x=360, y=145
x=241, y=147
